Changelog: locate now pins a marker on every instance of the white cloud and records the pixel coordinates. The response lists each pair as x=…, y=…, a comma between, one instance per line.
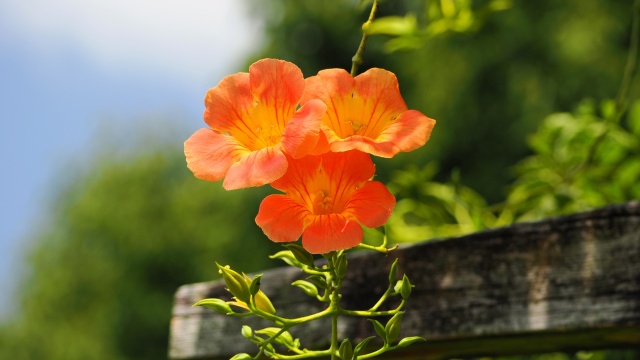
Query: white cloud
x=184, y=38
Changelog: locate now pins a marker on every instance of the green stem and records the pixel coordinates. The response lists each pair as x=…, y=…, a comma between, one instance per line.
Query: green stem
x=357, y=58
x=381, y=248
x=334, y=288
x=365, y=313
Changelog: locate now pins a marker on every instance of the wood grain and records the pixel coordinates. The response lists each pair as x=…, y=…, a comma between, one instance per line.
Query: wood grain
x=561, y=284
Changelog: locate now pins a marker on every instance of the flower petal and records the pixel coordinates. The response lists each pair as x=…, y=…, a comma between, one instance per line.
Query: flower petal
x=210, y=154
x=410, y=131
x=279, y=83
x=370, y=146
x=256, y=168
x=301, y=134
x=331, y=232
x=372, y=204
x=281, y=218
x=228, y=103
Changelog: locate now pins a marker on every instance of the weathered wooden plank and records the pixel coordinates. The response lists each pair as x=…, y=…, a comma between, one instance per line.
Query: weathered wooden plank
x=565, y=283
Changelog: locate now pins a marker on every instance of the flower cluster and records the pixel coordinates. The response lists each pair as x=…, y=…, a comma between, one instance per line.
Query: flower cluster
x=311, y=139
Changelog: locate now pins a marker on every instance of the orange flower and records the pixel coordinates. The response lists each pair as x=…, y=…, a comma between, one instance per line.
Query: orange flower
x=253, y=121
x=327, y=198
x=366, y=113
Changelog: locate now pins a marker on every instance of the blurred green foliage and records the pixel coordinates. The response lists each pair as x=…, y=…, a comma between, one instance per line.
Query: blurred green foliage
x=126, y=233
x=122, y=238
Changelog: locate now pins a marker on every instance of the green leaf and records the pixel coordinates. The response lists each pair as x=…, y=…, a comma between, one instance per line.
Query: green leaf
x=301, y=254
x=242, y=356
x=346, y=350
x=392, y=329
x=410, y=340
x=307, y=287
x=377, y=326
x=217, y=305
x=287, y=257
x=362, y=345
x=393, y=25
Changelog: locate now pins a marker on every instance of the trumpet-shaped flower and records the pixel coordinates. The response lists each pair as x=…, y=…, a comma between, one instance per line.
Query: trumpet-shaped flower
x=327, y=199
x=253, y=121
x=366, y=113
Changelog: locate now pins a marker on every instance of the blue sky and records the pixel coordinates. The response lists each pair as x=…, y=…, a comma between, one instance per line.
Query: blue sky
x=71, y=69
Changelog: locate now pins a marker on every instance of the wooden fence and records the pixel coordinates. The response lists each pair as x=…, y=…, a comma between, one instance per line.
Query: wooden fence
x=561, y=284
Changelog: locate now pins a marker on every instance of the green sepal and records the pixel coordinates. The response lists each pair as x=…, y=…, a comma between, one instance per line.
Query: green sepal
x=255, y=285
x=217, y=305
x=241, y=356
x=346, y=350
x=301, y=254
x=288, y=257
x=410, y=340
x=284, y=339
x=362, y=345
x=236, y=283
x=392, y=329
x=393, y=272
x=308, y=288
x=377, y=326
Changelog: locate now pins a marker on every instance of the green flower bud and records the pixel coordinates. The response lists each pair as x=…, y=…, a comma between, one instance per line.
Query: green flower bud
x=236, y=283
x=307, y=287
x=242, y=356
x=393, y=272
x=247, y=332
x=410, y=340
x=217, y=305
x=346, y=350
x=287, y=257
x=392, y=329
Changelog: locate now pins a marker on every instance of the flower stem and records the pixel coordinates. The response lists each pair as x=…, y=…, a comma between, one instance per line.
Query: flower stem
x=356, y=60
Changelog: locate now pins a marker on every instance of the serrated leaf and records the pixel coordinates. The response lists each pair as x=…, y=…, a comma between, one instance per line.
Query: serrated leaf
x=217, y=305
x=410, y=340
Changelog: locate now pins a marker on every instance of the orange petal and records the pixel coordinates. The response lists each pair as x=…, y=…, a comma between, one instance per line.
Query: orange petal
x=331, y=232
x=371, y=204
x=228, y=103
x=256, y=168
x=301, y=134
x=278, y=83
x=281, y=218
x=410, y=131
x=210, y=154
x=370, y=146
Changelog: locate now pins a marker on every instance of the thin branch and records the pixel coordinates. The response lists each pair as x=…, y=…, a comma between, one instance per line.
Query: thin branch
x=356, y=60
